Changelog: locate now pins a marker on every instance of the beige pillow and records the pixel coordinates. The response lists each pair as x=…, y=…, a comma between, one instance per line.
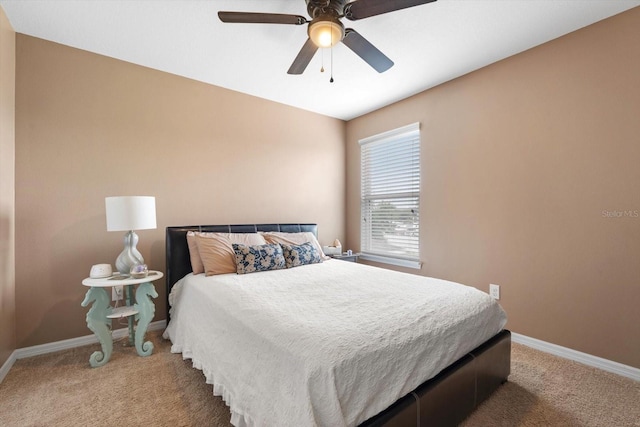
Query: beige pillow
x=196, y=262
x=293, y=239
x=194, y=254
x=216, y=250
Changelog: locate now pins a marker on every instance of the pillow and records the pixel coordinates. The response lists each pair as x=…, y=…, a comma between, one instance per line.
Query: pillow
x=196, y=263
x=216, y=253
x=250, y=259
x=296, y=255
x=293, y=239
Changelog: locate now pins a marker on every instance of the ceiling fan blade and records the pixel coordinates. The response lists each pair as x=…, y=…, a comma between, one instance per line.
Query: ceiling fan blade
x=366, y=51
x=261, y=18
x=360, y=9
x=304, y=57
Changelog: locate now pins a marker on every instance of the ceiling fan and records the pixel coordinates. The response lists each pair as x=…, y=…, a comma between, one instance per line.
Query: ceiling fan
x=325, y=28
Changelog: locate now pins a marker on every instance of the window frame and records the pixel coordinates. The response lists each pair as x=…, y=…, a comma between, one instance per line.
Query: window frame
x=411, y=131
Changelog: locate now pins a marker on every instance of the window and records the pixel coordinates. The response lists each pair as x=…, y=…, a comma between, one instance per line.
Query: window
x=390, y=199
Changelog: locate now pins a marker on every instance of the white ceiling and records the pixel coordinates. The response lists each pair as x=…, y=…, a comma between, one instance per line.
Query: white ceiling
x=430, y=44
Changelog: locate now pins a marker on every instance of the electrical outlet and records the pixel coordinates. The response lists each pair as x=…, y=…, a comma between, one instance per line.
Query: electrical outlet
x=494, y=291
x=116, y=293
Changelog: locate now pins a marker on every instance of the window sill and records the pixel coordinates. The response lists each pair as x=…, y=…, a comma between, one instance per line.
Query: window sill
x=393, y=261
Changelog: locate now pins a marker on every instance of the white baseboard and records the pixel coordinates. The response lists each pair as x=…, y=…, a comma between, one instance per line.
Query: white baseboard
x=4, y=370
x=577, y=356
x=36, y=350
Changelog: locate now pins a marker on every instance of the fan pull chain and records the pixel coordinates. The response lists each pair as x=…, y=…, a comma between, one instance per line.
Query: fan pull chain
x=322, y=66
x=331, y=79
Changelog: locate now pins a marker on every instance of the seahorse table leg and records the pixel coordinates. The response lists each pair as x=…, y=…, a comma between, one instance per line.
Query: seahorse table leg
x=146, y=310
x=99, y=324
x=128, y=296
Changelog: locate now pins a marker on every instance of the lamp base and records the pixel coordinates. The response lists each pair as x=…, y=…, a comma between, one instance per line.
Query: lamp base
x=130, y=255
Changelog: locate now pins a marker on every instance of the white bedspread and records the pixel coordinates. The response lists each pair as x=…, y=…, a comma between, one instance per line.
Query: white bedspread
x=328, y=344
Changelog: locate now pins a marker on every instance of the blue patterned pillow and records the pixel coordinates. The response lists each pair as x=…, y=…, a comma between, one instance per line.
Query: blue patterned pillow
x=250, y=259
x=306, y=253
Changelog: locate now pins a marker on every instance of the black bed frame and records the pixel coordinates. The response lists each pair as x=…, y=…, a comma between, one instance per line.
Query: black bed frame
x=444, y=400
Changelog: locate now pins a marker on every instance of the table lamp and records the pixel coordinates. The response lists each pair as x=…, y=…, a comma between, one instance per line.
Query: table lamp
x=129, y=213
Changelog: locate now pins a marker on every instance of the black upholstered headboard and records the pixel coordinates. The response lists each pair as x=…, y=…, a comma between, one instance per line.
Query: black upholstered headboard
x=178, y=260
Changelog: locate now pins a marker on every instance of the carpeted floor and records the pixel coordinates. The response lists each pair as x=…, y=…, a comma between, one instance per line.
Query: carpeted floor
x=61, y=389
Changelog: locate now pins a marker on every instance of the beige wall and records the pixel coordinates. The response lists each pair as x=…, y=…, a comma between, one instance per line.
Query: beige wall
x=7, y=189
x=520, y=159
x=88, y=126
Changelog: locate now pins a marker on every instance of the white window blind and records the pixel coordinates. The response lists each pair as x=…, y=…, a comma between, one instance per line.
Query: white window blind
x=390, y=200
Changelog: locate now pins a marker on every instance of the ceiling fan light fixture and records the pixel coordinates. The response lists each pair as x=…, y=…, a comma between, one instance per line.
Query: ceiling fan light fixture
x=325, y=32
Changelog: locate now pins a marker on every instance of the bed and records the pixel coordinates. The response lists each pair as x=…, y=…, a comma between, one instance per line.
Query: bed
x=330, y=379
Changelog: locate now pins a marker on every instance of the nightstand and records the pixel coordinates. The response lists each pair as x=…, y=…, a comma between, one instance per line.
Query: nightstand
x=344, y=257
x=101, y=313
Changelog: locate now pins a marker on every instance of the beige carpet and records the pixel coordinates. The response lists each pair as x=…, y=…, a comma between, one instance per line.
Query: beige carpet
x=60, y=389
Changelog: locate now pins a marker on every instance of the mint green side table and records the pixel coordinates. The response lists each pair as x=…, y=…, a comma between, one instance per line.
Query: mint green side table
x=101, y=313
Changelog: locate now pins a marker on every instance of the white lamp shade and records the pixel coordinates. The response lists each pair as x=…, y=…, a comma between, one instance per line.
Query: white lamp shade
x=130, y=213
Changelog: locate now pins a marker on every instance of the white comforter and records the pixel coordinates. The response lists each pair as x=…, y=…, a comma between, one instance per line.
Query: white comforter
x=328, y=344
